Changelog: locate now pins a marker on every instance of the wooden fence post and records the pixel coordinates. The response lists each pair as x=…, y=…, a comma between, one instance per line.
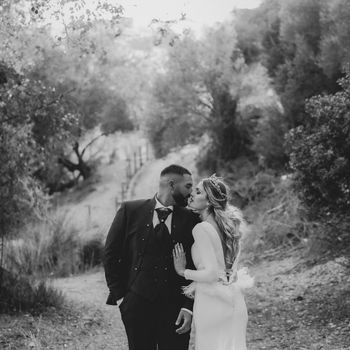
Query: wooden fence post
x=147, y=151
x=123, y=191
x=89, y=216
x=135, y=163
x=128, y=168
x=140, y=156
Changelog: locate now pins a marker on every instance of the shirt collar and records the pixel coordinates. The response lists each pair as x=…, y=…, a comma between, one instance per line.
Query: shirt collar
x=160, y=205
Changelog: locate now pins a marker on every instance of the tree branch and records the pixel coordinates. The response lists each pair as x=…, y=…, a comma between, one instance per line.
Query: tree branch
x=205, y=104
x=91, y=142
x=56, y=100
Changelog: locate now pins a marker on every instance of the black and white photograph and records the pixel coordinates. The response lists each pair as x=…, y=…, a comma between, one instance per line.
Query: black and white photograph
x=174, y=175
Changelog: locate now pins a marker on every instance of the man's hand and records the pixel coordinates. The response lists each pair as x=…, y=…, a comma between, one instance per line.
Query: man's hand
x=186, y=318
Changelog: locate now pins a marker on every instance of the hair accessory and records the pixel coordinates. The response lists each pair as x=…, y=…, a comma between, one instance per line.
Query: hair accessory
x=214, y=181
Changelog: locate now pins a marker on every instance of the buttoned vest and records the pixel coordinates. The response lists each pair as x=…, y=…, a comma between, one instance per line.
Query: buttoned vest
x=155, y=275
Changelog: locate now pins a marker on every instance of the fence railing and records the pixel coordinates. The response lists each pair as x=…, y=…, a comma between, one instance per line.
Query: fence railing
x=134, y=162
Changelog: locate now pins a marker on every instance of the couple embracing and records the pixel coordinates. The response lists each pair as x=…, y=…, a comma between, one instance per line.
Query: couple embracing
x=166, y=264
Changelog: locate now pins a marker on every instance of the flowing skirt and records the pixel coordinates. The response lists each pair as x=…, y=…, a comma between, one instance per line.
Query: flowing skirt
x=219, y=315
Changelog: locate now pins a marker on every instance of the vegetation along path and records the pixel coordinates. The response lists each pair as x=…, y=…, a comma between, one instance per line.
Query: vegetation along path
x=294, y=305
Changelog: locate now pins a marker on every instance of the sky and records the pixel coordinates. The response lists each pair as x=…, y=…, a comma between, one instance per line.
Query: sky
x=199, y=13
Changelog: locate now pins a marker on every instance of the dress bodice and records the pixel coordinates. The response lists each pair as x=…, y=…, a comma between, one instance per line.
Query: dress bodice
x=208, y=256
x=203, y=247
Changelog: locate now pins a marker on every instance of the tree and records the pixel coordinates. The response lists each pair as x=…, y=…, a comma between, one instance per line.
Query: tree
x=320, y=152
x=335, y=47
x=79, y=62
x=35, y=121
x=199, y=92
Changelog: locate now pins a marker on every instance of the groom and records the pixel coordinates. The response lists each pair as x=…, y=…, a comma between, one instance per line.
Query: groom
x=139, y=267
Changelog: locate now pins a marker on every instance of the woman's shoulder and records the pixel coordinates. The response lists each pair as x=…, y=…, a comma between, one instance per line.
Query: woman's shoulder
x=203, y=227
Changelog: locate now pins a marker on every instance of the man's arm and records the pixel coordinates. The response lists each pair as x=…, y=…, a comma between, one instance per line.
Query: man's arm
x=114, y=264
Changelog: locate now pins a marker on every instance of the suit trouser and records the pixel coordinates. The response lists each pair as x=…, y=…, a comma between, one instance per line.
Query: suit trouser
x=151, y=324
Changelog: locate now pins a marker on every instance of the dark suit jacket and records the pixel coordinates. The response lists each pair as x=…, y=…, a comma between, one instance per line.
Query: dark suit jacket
x=126, y=240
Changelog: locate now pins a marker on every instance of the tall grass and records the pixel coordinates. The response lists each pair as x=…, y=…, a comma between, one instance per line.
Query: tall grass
x=278, y=220
x=276, y=217
x=52, y=248
x=22, y=293
x=41, y=250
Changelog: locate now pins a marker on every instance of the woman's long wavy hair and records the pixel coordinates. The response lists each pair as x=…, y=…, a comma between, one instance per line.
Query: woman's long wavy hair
x=228, y=218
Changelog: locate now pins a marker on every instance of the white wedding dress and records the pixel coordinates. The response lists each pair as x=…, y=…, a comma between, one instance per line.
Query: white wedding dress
x=219, y=313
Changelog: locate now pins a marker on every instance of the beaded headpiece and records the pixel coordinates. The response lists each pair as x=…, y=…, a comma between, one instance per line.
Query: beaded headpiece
x=214, y=180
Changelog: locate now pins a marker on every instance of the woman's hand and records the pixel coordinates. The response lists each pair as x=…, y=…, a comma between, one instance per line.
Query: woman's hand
x=179, y=258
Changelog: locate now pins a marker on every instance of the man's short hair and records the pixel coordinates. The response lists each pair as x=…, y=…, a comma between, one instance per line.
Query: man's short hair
x=175, y=169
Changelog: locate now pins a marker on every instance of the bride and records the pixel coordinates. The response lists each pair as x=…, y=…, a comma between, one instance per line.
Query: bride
x=219, y=314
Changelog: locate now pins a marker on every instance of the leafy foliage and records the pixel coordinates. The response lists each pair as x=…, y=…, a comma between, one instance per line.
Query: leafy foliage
x=269, y=140
x=50, y=95
x=52, y=247
x=25, y=294
x=35, y=122
x=304, y=45
x=203, y=90
x=320, y=151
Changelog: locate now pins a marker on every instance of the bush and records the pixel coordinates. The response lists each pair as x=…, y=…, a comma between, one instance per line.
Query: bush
x=320, y=152
x=248, y=180
x=91, y=253
x=269, y=140
x=330, y=236
x=35, y=126
x=43, y=248
x=52, y=247
x=207, y=160
x=278, y=220
x=167, y=132
x=25, y=294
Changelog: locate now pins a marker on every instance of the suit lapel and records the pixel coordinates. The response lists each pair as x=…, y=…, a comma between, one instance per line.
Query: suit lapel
x=143, y=222
x=176, y=224
x=148, y=213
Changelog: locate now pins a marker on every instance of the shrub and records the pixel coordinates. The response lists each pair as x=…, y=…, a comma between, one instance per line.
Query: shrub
x=278, y=220
x=42, y=248
x=269, y=140
x=91, y=253
x=207, y=160
x=248, y=180
x=25, y=294
x=320, y=151
x=52, y=247
x=35, y=126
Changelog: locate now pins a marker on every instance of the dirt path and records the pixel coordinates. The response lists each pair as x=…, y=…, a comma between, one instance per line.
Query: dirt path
x=92, y=208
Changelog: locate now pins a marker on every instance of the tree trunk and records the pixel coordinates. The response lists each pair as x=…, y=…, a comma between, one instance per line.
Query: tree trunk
x=81, y=166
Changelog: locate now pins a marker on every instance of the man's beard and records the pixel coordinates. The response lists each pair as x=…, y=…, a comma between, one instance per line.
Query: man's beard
x=180, y=200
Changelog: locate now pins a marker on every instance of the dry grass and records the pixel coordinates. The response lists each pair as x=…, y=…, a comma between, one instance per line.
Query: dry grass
x=276, y=217
x=277, y=220
x=20, y=293
x=298, y=307
x=52, y=248
x=69, y=327
x=43, y=250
